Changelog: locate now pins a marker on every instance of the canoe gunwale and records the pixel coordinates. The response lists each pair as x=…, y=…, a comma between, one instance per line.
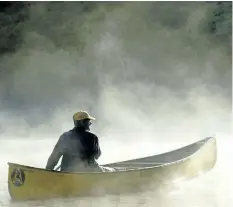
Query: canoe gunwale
x=204, y=141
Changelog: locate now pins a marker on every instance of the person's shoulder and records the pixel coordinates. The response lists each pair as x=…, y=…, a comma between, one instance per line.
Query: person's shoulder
x=66, y=134
x=91, y=134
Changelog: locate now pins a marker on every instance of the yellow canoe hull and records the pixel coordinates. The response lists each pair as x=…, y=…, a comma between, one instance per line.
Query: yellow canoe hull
x=27, y=183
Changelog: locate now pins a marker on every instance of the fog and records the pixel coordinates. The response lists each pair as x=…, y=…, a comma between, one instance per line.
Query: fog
x=147, y=72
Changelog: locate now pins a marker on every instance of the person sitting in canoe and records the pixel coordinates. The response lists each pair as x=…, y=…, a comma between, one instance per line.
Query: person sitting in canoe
x=79, y=147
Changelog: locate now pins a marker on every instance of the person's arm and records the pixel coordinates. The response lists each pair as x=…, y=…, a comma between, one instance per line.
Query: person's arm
x=97, y=151
x=56, y=154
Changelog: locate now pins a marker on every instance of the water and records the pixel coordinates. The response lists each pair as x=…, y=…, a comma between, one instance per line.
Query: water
x=210, y=190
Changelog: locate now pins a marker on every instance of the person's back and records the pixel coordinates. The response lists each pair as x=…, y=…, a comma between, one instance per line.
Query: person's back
x=79, y=147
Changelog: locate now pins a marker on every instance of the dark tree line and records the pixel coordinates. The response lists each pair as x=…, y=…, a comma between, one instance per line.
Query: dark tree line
x=13, y=16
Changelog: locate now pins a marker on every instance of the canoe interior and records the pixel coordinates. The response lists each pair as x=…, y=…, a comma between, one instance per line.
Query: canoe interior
x=160, y=159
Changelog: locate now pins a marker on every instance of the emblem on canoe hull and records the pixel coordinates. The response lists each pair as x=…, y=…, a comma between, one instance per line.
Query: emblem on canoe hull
x=18, y=177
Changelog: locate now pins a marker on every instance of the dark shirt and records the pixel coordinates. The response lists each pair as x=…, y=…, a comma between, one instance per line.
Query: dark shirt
x=76, y=145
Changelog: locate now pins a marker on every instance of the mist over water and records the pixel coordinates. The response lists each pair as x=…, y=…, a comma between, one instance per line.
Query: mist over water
x=150, y=75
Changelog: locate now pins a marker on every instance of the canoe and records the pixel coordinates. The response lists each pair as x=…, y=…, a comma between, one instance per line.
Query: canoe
x=30, y=183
